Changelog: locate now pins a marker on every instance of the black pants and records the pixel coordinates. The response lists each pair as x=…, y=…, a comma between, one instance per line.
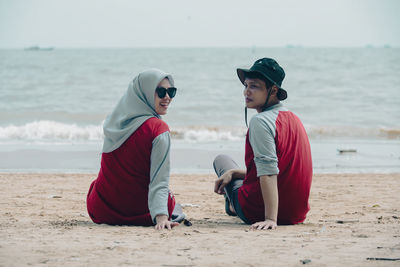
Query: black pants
x=223, y=163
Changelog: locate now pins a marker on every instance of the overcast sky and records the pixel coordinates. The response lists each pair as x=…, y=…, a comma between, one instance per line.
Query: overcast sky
x=132, y=23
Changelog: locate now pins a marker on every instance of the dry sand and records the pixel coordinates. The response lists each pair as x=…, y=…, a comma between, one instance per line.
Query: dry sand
x=353, y=218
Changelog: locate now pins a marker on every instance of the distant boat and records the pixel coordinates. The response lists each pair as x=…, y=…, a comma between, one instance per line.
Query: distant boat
x=38, y=48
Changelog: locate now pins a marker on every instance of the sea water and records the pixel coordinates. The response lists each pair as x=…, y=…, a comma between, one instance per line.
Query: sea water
x=53, y=104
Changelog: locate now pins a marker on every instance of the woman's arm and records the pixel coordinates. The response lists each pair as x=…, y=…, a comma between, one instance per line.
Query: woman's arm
x=269, y=190
x=159, y=181
x=163, y=222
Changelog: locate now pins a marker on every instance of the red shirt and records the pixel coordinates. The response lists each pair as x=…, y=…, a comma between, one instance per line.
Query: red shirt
x=295, y=173
x=119, y=195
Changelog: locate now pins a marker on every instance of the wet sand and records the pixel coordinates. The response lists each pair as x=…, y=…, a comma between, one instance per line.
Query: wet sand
x=354, y=220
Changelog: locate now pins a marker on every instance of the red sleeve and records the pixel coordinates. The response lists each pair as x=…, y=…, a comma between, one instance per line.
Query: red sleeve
x=157, y=126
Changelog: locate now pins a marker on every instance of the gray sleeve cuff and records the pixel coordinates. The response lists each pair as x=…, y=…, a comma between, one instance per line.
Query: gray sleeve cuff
x=262, y=140
x=159, y=176
x=266, y=167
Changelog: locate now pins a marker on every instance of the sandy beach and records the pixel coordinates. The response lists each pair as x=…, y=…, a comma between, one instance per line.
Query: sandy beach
x=354, y=220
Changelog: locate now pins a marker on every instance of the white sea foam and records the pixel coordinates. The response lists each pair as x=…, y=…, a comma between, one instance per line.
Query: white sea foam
x=352, y=132
x=50, y=131
x=208, y=133
x=58, y=132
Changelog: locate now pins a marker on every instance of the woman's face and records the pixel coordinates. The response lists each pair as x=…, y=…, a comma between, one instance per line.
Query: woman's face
x=161, y=104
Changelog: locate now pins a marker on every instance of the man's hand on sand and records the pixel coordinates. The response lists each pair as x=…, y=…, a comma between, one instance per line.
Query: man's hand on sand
x=264, y=225
x=222, y=181
x=162, y=223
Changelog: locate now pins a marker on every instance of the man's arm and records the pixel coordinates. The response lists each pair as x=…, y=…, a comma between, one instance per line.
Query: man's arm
x=226, y=178
x=238, y=174
x=269, y=190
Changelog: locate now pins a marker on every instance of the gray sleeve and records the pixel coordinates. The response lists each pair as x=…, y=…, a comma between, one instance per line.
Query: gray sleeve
x=159, y=176
x=262, y=141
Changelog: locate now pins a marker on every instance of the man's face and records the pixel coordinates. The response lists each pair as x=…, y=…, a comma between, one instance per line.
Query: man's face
x=255, y=93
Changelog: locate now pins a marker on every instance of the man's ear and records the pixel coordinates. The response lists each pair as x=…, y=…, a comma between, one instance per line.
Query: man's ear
x=275, y=90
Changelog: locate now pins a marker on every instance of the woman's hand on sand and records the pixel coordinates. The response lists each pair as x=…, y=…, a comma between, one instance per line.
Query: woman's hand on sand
x=162, y=222
x=222, y=181
x=264, y=225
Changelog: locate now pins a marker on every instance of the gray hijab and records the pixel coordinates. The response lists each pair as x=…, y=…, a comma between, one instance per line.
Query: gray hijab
x=134, y=108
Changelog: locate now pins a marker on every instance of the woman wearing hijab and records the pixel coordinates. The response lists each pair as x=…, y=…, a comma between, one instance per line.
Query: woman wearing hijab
x=132, y=184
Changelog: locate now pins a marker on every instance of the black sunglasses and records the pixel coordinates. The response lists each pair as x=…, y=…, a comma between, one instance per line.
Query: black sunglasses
x=162, y=91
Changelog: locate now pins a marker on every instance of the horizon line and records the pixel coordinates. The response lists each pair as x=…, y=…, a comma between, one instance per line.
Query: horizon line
x=206, y=46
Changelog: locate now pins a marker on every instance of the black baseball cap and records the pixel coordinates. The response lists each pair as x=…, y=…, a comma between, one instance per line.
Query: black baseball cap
x=269, y=69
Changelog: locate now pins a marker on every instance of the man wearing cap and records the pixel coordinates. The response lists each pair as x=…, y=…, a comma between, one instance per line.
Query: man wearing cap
x=275, y=187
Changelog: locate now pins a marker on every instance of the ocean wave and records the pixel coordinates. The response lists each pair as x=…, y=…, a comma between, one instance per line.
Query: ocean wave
x=352, y=132
x=208, y=133
x=51, y=131
x=58, y=132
